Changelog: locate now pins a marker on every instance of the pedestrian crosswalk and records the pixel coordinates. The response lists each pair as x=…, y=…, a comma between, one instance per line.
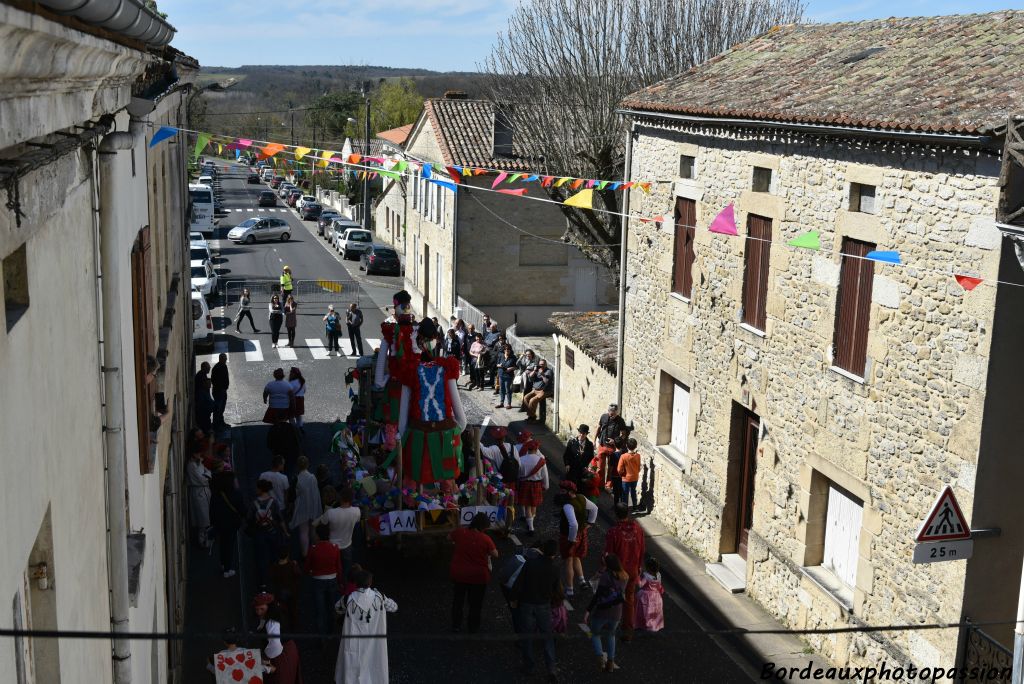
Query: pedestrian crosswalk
x=252, y=351
x=283, y=210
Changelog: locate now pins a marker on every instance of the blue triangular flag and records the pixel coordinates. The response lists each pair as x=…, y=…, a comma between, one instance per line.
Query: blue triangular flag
x=532, y=178
x=458, y=168
x=884, y=257
x=238, y=153
x=426, y=170
x=443, y=184
x=615, y=185
x=163, y=133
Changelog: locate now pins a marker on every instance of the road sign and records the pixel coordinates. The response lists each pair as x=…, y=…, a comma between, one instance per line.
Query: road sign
x=945, y=522
x=936, y=552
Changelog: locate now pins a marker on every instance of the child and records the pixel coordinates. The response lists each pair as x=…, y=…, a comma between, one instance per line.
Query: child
x=629, y=469
x=591, y=483
x=650, y=613
x=614, y=479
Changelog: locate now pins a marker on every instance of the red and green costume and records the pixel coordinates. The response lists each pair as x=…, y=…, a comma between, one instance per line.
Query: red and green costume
x=432, y=442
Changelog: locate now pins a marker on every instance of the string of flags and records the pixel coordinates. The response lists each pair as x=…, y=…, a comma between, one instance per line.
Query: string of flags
x=364, y=166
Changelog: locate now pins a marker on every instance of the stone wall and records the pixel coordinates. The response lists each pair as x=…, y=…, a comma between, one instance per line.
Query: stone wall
x=892, y=439
x=583, y=392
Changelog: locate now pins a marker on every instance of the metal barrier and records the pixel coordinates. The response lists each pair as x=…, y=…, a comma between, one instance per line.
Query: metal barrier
x=321, y=291
x=471, y=314
x=983, y=652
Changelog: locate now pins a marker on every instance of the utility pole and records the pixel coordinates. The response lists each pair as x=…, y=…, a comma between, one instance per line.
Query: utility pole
x=292, y=112
x=366, y=153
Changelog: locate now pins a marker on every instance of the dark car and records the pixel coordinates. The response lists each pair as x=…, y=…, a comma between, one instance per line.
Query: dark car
x=293, y=197
x=380, y=259
x=276, y=181
x=253, y=178
x=268, y=199
x=326, y=216
x=311, y=210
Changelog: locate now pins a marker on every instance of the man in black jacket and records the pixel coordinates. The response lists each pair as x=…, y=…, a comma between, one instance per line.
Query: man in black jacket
x=221, y=381
x=538, y=583
x=609, y=426
x=578, y=454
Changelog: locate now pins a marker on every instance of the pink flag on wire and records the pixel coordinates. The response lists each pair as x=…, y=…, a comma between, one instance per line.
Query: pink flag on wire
x=244, y=143
x=725, y=222
x=517, y=191
x=501, y=176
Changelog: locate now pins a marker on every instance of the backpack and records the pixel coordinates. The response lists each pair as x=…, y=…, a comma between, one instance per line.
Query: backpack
x=263, y=516
x=608, y=596
x=509, y=469
x=508, y=576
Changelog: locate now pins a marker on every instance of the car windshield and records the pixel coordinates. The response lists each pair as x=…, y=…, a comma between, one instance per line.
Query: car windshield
x=266, y=194
x=386, y=253
x=248, y=223
x=308, y=198
x=359, y=236
x=201, y=196
x=310, y=205
x=198, y=254
x=197, y=310
x=198, y=272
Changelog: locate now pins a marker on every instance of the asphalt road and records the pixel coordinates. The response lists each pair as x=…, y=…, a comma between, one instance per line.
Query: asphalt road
x=416, y=575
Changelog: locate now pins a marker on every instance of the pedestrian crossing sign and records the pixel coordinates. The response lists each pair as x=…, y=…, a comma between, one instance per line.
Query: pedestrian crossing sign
x=945, y=522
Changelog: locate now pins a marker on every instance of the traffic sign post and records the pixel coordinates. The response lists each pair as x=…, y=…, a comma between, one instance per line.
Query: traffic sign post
x=945, y=522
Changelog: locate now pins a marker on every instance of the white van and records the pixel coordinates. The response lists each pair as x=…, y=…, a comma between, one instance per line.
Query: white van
x=268, y=174
x=201, y=197
x=202, y=322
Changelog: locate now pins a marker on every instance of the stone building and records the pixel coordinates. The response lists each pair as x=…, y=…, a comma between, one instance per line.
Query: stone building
x=584, y=366
x=802, y=409
x=477, y=248
x=96, y=342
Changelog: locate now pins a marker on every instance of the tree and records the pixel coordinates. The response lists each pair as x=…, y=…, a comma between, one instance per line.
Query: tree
x=328, y=115
x=562, y=67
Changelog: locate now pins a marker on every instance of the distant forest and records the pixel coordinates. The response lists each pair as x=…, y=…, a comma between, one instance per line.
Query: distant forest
x=257, y=104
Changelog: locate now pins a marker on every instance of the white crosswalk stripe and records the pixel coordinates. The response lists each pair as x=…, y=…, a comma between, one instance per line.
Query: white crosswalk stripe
x=220, y=347
x=316, y=347
x=253, y=351
x=238, y=210
x=250, y=209
x=286, y=353
x=369, y=344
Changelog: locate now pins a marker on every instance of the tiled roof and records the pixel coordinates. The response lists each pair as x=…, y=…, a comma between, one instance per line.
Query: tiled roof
x=465, y=133
x=397, y=136
x=596, y=333
x=954, y=74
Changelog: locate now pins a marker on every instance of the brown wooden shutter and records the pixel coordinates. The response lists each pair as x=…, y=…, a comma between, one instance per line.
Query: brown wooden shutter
x=755, y=283
x=683, y=256
x=853, y=307
x=141, y=328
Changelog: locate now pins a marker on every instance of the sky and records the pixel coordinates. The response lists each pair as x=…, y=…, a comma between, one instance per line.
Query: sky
x=443, y=35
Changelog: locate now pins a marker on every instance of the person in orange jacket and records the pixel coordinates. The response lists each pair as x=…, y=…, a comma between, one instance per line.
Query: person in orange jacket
x=629, y=469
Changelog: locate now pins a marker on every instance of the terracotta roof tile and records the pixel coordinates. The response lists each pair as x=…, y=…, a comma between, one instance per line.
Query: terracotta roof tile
x=397, y=136
x=465, y=132
x=952, y=74
x=596, y=333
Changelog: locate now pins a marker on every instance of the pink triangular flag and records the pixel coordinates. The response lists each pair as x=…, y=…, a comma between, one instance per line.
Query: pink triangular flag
x=517, y=191
x=501, y=176
x=967, y=282
x=725, y=222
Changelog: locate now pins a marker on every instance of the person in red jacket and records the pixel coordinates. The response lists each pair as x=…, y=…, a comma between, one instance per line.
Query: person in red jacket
x=471, y=570
x=625, y=539
x=323, y=565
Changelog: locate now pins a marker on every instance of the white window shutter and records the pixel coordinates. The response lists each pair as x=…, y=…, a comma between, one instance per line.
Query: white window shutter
x=842, y=535
x=680, y=416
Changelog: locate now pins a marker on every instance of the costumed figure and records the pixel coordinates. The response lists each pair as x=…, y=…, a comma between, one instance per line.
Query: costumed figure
x=283, y=657
x=396, y=351
x=431, y=418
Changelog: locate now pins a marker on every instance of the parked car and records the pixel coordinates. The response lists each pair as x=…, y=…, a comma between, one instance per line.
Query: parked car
x=200, y=251
x=284, y=189
x=302, y=200
x=197, y=237
x=380, y=259
x=293, y=197
x=205, y=179
x=311, y=210
x=268, y=199
x=253, y=178
x=354, y=242
x=204, y=278
x=276, y=181
x=251, y=230
x=326, y=216
x=202, y=323
x=337, y=228
x=267, y=174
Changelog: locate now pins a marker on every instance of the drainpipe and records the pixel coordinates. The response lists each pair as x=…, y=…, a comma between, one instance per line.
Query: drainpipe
x=623, y=253
x=113, y=386
x=558, y=388
x=455, y=249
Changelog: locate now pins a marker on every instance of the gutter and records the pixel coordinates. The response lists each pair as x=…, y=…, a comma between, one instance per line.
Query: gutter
x=129, y=18
x=819, y=129
x=623, y=254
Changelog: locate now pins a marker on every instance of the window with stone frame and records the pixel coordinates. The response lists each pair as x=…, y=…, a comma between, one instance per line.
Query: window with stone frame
x=673, y=427
x=687, y=166
x=683, y=252
x=145, y=343
x=843, y=515
x=853, y=307
x=762, y=179
x=755, y=277
x=862, y=198
x=570, y=358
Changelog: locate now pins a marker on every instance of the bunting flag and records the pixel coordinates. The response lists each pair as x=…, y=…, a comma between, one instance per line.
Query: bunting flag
x=515, y=177
x=443, y=184
x=646, y=187
x=884, y=257
x=202, y=140
x=725, y=222
x=456, y=173
x=497, y=179
x=270, y=149
x=628, y=185
x=584, y=199
x=163, y=133
x=809, y=240
x=354, y=158
x=238, y=153
x=518, y=191
x=546, y=183
x=561, y=181
x=533, y=177
x=601, y=185
x=301, y=152
x=243, y=143
x=220, y=149
x=576, y=184
x=390, y=174
x=426, y=170
x=325, y=158
x=400, y=166
x=591, y=183
x=615, y=186
x=967, y=282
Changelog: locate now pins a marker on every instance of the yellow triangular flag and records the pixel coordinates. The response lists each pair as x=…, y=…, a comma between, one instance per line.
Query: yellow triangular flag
x=301, y=152
x=560, y=182
x=325, y=155
x=584, y=199
x=220, y=149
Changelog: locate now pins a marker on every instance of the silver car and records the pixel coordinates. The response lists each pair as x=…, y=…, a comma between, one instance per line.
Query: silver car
x=353, y=242
x=251, y=230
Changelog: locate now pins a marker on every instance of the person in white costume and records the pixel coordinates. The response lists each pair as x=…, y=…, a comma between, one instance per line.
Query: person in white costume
x=363, y=660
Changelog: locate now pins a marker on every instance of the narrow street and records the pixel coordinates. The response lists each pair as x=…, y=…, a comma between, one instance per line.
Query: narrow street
x=416, y=576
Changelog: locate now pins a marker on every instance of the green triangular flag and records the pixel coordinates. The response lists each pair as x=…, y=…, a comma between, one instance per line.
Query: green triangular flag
x=201, y=141
x=400, y=166
x=809, y=240
x=600, y=186
x=389, y=174
x=515, y=177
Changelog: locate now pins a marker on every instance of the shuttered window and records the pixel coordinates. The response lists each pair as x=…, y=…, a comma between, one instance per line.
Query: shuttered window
x=682, y=261
x=842, y=534
x=755, y=281
x=853, y=307
x=680, y=416
x=142, y=317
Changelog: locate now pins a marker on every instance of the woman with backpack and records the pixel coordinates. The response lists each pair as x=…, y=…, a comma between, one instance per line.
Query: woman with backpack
x=265, y=523
x=605, y=611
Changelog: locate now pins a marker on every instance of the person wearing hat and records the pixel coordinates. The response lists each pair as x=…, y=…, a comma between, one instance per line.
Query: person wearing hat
x=576, y=514
x=286, y=282
x=284, y=657
x=533, y=481
x=332, y=326
x=579, y=452
x=609, y=426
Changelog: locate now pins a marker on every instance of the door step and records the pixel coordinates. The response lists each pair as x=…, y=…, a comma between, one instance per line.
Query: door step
x=731, y=573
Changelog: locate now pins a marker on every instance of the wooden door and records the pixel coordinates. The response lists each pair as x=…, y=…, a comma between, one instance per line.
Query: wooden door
x=749, y=428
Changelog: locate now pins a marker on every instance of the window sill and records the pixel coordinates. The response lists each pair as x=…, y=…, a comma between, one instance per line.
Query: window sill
x=751, y=329
x=675, y=458
x=830, y=585
x=679, y=297
x=848, y=375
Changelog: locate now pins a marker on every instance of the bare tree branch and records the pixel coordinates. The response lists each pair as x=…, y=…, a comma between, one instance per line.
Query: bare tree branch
x=563, y=66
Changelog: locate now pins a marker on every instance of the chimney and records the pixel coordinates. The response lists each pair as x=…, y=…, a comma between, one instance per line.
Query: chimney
x=502, y=133
x=455, y=95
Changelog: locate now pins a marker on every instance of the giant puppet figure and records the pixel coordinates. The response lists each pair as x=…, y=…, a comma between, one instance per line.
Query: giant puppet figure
x=396, y=349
